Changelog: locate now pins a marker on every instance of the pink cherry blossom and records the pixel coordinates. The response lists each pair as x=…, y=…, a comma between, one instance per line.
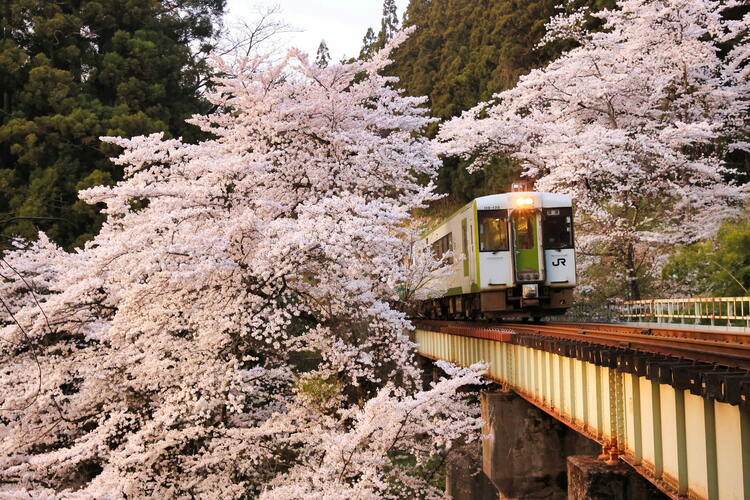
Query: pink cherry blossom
x=235, y=327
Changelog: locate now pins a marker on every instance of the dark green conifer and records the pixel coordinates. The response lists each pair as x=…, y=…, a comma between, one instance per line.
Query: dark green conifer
x=323, y=57
x=388, y=23
x=369, y=43
x=74, y=70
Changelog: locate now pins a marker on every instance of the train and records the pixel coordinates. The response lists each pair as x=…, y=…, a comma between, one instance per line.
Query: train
x=511, y=255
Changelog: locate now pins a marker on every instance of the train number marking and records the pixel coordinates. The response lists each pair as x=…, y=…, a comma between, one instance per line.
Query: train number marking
x=559, y=262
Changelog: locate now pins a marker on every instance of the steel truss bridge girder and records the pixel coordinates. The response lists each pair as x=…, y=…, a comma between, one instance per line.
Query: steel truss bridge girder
x=682, y=424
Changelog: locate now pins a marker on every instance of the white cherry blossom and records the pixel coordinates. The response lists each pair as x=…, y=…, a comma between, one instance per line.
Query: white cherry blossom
x=233, y=330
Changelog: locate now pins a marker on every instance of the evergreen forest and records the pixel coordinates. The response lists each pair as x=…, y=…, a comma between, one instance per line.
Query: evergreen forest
x=463, y=52
x=74, y=70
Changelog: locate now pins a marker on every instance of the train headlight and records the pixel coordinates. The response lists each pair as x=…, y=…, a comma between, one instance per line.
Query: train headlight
x=525, y=202
x=530, y=291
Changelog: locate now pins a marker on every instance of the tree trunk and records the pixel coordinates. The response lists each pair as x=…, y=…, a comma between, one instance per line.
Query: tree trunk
x=5, y=147
x=635, y=288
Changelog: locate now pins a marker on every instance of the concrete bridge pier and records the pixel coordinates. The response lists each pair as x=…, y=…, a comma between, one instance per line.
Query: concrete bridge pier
x=465, y=479
x=529, y=454
x=525, y=450
x=592, y=479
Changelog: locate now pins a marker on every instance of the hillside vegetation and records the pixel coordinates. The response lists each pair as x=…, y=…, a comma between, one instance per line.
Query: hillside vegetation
x=72, y=71
x=463, y=52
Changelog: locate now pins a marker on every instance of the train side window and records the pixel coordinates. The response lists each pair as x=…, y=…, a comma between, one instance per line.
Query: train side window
x=557, y=228
x=443, y=245
x=436, y=249
x=493, y=231
x=464, y=237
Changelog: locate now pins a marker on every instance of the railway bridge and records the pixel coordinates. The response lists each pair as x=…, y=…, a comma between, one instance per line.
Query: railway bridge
x=666, y=404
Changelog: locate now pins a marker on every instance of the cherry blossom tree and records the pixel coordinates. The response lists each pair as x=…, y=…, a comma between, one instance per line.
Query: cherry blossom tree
x=234, y=329
x=634, y=123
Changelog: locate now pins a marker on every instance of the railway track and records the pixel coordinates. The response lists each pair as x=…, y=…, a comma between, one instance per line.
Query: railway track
x=731, y=350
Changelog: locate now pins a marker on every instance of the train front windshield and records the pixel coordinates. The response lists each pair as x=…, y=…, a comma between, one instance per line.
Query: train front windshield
x=557, y=227
x=493, y=231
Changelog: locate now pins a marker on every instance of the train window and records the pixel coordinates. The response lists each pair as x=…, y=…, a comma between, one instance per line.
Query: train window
x=524, y=228
x=442, y=246
x=493, y=231
x=464, y=237
x=557, y=228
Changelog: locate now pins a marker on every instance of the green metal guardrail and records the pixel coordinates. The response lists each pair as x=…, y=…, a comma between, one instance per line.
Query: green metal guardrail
x=725, y=311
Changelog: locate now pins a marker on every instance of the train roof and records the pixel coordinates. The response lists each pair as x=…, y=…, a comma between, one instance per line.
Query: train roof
x=508, y=200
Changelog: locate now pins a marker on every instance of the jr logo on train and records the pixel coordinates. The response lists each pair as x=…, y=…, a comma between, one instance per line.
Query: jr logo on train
x=513, y=255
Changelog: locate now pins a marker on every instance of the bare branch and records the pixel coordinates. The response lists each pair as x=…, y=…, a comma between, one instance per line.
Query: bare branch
x=245, y=37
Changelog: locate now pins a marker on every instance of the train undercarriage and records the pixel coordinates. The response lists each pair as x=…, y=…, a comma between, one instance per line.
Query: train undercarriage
x=497, y=304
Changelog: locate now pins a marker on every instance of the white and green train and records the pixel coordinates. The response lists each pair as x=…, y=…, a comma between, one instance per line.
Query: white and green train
x=513, y=255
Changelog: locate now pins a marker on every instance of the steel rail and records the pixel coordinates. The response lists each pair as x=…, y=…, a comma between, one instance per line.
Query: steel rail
x=662, y=331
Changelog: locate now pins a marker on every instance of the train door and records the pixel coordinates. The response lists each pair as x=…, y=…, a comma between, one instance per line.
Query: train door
x=495, y=268
x=465, y=247
x=526, y=246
